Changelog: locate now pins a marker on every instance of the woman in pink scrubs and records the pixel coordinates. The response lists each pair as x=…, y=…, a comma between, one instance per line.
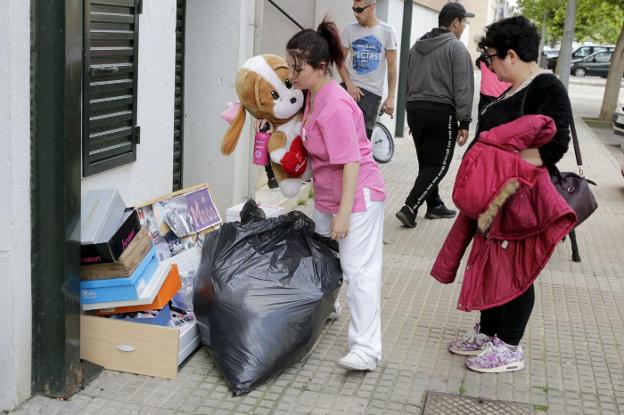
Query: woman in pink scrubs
x=348, y=185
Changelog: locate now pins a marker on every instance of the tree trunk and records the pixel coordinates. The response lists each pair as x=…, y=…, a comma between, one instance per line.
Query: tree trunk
x=565, y=53
x=614, y=80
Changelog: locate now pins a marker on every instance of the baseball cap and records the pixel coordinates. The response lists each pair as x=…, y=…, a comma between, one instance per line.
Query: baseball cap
x=453, y=10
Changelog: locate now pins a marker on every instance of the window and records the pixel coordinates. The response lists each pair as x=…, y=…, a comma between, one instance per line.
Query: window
x=110, y=133
x=603, y=57
x=582, y=52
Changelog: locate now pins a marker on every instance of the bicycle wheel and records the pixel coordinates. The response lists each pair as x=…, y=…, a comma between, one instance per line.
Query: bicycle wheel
x=383, y=143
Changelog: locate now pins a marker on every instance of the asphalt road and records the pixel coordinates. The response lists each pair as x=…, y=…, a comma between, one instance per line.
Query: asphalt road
x=586, y=95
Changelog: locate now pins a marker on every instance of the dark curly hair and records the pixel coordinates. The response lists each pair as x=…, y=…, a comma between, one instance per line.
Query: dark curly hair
x=516, y=33
x=317, y=46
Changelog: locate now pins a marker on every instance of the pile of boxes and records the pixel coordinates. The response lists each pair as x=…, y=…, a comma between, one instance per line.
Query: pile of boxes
x=137, y=271
x=136, y=296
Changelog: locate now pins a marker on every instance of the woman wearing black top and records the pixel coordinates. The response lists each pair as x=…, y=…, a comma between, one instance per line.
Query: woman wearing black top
x=511, y=48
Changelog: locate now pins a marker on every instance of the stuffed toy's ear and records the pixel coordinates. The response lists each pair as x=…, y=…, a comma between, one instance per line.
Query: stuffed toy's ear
x=231, y=136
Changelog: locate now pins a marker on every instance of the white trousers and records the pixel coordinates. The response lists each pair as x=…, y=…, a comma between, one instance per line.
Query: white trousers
x=361, y=259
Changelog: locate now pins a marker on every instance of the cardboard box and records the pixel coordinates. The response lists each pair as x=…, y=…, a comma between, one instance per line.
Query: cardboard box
x=118, y=289
x=177, y=221
x=127, y=263
x=168, y=289
x=136, y=348
x=271, y=211
x=101, y=214
x=185, y=262
x=111, y=249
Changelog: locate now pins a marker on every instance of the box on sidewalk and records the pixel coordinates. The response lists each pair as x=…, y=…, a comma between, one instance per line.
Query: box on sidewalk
x=168, y=289
x=101, y=214
x=110, y=249
x=163, y=282
x=128, y=261
x=117, y=289
x=178, y=220
x=271, y=211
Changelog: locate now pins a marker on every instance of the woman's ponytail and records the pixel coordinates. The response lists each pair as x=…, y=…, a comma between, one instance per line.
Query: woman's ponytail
x=318, y=46
x=328, y=30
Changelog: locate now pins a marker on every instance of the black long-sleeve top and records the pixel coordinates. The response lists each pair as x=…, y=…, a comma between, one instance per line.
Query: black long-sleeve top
x=545, y=95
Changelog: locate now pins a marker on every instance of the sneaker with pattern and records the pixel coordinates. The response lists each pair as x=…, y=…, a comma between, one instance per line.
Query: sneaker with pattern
x=496, y=357
x=471, y=343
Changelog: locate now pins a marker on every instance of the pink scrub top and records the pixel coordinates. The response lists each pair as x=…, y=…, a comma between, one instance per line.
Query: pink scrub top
x=334, y=134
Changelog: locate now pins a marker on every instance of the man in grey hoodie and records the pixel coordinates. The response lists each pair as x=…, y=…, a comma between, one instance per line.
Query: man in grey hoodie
x=440, y=89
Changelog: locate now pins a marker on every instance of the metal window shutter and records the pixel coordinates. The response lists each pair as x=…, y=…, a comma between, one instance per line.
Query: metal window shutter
x=178, y=124
x=110, y=133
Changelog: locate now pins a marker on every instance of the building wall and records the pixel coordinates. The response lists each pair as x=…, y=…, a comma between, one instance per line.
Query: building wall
x=219, y=39
x=15, y=298
x=276, y=28
x=484, y=16
x=152, y=173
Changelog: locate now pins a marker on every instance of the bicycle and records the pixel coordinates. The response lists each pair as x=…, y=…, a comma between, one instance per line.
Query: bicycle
x=383, y=142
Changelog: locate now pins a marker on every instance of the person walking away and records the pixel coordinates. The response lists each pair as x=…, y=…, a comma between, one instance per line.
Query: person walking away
x=490, y=88
x=369, y=45
x=348, y=186
x=496, y=283
x=440, y=87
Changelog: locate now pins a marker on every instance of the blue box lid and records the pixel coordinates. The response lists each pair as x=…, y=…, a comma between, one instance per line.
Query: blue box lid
x=119, y=289
x=130, y=280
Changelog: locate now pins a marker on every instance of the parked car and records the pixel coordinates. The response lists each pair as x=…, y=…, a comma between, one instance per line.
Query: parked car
x=579, y=53
x=595, y=64
x=550, y=53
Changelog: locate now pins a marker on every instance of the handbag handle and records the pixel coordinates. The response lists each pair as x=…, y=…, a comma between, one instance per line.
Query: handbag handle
x=577, y=148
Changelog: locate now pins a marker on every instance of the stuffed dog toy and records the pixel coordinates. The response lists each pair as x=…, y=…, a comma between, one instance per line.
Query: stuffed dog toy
x=265, y=92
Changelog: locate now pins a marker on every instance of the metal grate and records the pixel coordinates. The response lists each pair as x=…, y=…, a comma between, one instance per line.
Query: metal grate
x=437, y=403
x=178, y=120
x=110, y=84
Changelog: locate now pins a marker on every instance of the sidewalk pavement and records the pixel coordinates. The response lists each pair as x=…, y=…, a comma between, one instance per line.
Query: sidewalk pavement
x=574, y=343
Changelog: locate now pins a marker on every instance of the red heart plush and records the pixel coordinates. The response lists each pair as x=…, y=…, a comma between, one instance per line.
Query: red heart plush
x=295, y=160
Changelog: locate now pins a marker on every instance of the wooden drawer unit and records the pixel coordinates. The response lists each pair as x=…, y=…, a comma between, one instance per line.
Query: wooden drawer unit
x=134, y=347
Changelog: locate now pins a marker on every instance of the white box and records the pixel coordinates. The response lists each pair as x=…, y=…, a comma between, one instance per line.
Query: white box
x=271, y=211
x=101, y=214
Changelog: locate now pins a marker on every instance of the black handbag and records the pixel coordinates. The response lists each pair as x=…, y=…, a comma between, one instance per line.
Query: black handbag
x=575, y=187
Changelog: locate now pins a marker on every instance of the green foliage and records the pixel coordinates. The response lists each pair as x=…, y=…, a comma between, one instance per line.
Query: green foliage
x=540, y=408
x=599, y=21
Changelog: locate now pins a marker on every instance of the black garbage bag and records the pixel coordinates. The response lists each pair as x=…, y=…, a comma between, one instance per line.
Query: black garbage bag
x=262, y=294
x=251, y=212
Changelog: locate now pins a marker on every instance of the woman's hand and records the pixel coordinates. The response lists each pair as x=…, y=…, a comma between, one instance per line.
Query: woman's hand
x=340, y=226
x=532, y=156
x=462, y=137
x=354, y=91
x=263, y=125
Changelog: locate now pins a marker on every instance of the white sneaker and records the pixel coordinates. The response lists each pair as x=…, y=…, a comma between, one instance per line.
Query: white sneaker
x=336, y=313
x=357, y=360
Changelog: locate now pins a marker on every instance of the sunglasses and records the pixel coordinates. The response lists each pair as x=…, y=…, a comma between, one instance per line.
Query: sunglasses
x=488, y=58
x=359, y=10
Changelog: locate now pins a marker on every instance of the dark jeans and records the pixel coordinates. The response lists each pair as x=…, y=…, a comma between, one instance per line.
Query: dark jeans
x=369, y=104
x=434, y=134
x=508, y=321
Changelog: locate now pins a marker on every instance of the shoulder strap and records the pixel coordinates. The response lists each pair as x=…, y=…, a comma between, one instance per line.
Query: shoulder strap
x=575, y=142
x=577, y=148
